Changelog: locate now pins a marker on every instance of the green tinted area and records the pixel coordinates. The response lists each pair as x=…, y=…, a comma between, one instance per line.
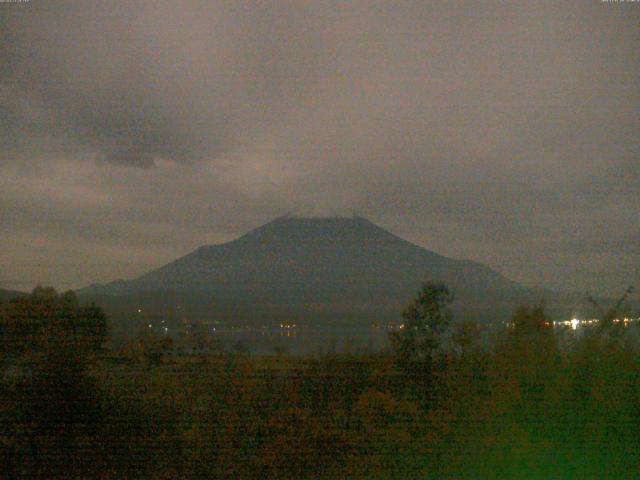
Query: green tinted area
x=539, y=403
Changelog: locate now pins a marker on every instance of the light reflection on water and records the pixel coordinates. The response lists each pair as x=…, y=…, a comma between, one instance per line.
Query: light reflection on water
x=296, y=339
x=305, y=339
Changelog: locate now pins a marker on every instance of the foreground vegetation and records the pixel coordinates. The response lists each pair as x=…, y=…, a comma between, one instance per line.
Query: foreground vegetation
x=537, y=404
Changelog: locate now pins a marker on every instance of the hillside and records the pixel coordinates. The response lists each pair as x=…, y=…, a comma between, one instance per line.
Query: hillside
x=314, y=268
x=6, y=295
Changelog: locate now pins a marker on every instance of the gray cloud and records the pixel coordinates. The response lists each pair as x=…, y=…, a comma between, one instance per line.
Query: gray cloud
x=503, y=133
x=144, y=80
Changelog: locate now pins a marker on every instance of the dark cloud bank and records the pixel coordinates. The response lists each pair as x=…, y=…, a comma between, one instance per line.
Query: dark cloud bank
x=133, y=132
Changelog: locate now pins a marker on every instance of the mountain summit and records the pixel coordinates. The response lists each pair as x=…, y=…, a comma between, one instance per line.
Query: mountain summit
x=344, y=267
x=316, y=260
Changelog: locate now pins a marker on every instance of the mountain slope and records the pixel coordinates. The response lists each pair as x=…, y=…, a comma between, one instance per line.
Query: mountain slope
x=340, y=266
x=6, y=295
x=318, y=258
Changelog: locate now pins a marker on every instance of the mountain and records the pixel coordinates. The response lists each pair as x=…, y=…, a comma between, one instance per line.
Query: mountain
x=346, y=269
x=6, y=295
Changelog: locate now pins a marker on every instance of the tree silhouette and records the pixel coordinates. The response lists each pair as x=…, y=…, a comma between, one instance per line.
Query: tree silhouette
x=49, y=339
x=425, y=321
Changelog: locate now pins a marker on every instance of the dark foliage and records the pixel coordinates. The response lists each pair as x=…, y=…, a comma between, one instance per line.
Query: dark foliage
x=539, y=402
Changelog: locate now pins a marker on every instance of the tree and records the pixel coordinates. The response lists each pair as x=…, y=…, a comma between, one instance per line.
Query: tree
x=531, y=321
x=609, y=316
x=465, y=337
x=156, y=347
x=426, y=319
x=47, y=322
x=49, y=407
x=529, y=357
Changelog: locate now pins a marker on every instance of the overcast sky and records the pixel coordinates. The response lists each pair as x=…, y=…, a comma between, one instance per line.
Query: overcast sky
x=503, y=132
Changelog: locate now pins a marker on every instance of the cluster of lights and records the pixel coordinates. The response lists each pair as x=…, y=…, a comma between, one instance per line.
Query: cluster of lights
x=574, y=323
x=166, y=329
x=289, y=328
x=393, y=326
x=624, y=320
